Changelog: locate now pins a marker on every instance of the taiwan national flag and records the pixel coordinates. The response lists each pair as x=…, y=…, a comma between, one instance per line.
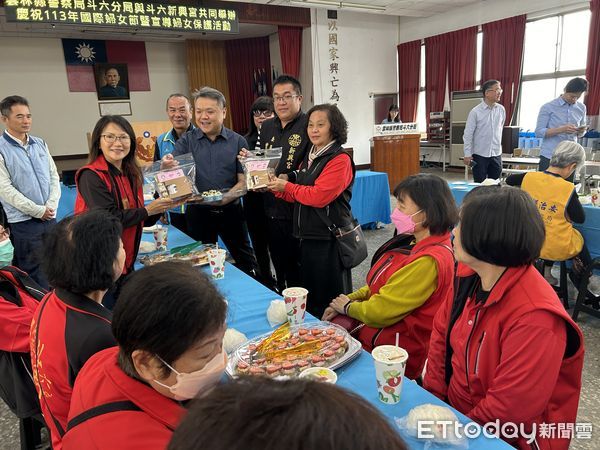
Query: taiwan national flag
x=82, y=54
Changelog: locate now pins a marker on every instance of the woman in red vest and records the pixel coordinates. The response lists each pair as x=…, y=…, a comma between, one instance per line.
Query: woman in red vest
x=113, y=181
x=411, y=274
x=505, y=350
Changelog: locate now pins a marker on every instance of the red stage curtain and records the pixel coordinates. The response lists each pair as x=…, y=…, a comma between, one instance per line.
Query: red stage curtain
x=592, y=71
x=503, y=58
x=436, y=65
x=462, y=59
x=246, y=59
x=290, y=47
x=409, y=63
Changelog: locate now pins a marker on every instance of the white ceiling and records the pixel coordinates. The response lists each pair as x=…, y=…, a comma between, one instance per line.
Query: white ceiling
x=406, y=8
x=30, y=29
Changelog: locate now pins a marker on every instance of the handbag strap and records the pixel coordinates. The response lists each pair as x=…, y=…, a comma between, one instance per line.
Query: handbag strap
x=326, y=220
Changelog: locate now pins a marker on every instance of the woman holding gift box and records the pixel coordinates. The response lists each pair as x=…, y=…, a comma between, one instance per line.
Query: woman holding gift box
x=322, y=183
x=411, y=274
x=505, y=349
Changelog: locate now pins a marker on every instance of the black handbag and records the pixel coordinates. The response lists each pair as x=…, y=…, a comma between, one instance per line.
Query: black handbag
x=352, y=246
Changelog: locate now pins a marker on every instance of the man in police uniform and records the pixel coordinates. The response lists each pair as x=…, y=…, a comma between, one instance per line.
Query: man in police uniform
x=288, y=131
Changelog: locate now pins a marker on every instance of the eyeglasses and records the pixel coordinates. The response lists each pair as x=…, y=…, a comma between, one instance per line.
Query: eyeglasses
x=285, y=99
x=262, y=113
x=111, y=138
x=499, y=91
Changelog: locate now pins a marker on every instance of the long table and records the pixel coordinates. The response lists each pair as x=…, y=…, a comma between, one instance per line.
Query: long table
x=370, y=199
x=248, y=302
x=590, y=229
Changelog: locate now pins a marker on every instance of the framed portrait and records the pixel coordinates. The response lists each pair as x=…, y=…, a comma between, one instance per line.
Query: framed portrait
x=112, y=81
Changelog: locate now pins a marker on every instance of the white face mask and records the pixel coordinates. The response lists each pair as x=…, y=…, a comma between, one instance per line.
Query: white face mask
x=189, y=385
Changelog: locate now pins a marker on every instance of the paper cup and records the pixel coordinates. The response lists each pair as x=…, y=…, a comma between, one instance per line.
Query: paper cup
x=390, y=364
x=216, y=262
x=295, y=304
x=160, y=238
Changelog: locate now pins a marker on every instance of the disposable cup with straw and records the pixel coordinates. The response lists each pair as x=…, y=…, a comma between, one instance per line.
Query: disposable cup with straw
x=390, y=364
x=216, y=262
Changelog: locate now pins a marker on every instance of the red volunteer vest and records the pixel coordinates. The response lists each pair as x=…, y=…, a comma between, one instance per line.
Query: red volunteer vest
x=125, y=198
x=415, y=329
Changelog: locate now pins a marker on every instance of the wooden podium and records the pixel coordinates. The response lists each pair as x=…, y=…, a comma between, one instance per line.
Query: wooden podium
x=397, y=155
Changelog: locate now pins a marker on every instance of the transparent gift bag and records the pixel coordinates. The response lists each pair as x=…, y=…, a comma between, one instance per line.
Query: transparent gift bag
x=175, y=182
x=259, y=166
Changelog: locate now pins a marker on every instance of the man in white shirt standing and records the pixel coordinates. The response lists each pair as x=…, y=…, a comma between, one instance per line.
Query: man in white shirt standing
x=483, y=134
x=29, y=185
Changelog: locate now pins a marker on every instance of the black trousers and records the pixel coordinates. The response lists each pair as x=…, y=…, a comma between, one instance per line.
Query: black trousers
x=322, y=274
x=27, y=239
x=486, y=168
x=207, y=223
x=285, y=253
x=545, y=163
x=258, y=227
x=179, y=221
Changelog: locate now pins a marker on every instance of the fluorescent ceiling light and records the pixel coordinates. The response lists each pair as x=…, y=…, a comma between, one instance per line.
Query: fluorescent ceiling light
x=339, y=5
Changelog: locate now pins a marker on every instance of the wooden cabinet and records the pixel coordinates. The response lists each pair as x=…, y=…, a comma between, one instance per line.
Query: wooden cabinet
x=396, y=155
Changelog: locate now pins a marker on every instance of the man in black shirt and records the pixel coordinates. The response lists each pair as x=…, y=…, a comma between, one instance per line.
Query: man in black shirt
x=288, y=131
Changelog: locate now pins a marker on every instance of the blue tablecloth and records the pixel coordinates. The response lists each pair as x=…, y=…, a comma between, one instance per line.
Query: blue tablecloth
x=248, y=302
x=590, y=229
x=371, y=198
x=66, y=204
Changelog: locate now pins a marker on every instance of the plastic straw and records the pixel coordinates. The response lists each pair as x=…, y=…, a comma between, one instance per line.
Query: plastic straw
x=397, y=339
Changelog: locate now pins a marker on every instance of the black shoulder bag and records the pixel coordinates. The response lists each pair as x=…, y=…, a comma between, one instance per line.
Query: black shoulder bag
x=352, y=246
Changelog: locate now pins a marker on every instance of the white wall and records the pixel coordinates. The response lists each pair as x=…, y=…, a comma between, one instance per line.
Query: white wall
x=35, y=68
x=477, y=14
x=367, y=51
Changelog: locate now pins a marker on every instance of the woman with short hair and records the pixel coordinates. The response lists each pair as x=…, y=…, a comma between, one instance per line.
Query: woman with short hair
x=82, y=258
x=411, y=275
x=505, y=348
x=169, y=328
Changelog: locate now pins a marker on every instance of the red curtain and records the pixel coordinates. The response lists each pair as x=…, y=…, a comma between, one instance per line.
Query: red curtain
x=503, y=58
x=462, y=59
x=592, y=71
x=436, y=65
x=290, y=47
x=409, y=62
x=248, y=66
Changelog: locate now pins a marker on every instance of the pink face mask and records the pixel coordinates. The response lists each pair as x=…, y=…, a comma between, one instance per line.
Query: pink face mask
x=403, y=222
x=189, y=385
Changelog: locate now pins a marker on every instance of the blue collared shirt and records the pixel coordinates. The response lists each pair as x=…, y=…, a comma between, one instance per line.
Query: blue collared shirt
x=483, y=131
x=217, y=165
x=555, y=114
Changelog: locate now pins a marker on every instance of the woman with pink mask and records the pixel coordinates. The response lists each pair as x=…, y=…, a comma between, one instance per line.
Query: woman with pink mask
x=411, y=274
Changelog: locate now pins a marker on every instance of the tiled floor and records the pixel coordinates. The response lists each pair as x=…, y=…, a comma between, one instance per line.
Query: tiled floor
x=589, y=405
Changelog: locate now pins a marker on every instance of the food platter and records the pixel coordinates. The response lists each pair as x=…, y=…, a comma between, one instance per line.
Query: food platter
x=197, y=256
x=291, y=349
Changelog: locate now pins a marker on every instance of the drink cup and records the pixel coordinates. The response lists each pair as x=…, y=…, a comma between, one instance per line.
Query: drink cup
x=160, y=238
x=295, y=304
x=390, y=364
x=216, y=262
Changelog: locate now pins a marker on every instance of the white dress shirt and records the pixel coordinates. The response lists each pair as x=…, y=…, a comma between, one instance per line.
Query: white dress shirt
x=483, y=132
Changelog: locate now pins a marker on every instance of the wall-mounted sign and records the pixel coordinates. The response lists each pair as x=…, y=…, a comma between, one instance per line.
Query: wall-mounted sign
x=118, y=13
x=385, y=129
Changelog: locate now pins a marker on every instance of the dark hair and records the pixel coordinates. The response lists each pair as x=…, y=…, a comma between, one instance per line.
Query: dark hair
x=211, y=93
x=264, y=103
x=577, y=85
x=264, y=414
x=129, y=165
x=79, y=253
x=431, y=194
x=394, y=108
x=501, y=225
x=7, y=103
x=178, y=95
x=165, y=309
x=487, y=85
x=337, y=121
x=288, y=79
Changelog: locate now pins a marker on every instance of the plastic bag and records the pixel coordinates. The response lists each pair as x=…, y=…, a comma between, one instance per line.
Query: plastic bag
x=258, y=167
x=175, y=182
x=276, y=314
x=233, y=339
x=429, y=423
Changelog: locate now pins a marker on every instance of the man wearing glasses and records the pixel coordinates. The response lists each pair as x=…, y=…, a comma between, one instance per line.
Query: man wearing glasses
x=483, y=134
x=562, y=119
x=288, y=131
x=29, y=185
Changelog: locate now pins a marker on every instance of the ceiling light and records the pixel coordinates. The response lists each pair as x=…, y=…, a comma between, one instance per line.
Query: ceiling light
x=338, y=5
